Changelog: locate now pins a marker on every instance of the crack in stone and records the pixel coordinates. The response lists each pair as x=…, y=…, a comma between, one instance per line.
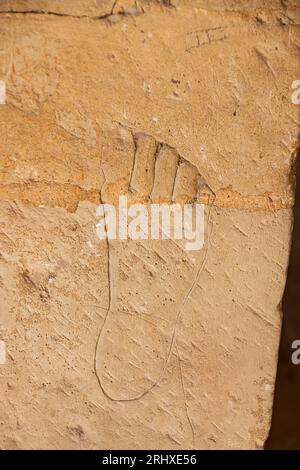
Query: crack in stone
x=105, y=16
x=68, y=196
x=134, y=11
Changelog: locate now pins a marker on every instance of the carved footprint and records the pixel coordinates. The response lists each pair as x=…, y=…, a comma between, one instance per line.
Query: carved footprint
x=150, y=280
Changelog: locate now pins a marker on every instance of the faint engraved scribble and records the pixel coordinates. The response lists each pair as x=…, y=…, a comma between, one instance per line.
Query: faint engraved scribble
x=204, y=37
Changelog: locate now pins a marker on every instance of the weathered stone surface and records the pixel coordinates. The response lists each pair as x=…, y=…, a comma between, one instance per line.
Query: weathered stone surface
x=142, y=344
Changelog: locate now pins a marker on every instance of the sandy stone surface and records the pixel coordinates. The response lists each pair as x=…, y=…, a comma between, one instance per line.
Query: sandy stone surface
x=142, y=344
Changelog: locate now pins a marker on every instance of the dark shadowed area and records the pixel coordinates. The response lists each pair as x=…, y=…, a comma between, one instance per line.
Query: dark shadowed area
x=285, y=430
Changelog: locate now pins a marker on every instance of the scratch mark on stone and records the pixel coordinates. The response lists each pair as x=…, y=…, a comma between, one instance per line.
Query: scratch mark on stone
x=185, y=397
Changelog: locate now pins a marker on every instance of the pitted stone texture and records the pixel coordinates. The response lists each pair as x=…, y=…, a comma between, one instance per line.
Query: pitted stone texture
x=125, y=345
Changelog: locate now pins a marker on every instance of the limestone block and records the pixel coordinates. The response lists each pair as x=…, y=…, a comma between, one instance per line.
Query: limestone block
x=143, y=344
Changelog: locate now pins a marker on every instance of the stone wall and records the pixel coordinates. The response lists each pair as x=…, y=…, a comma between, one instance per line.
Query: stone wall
x=141, y=344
